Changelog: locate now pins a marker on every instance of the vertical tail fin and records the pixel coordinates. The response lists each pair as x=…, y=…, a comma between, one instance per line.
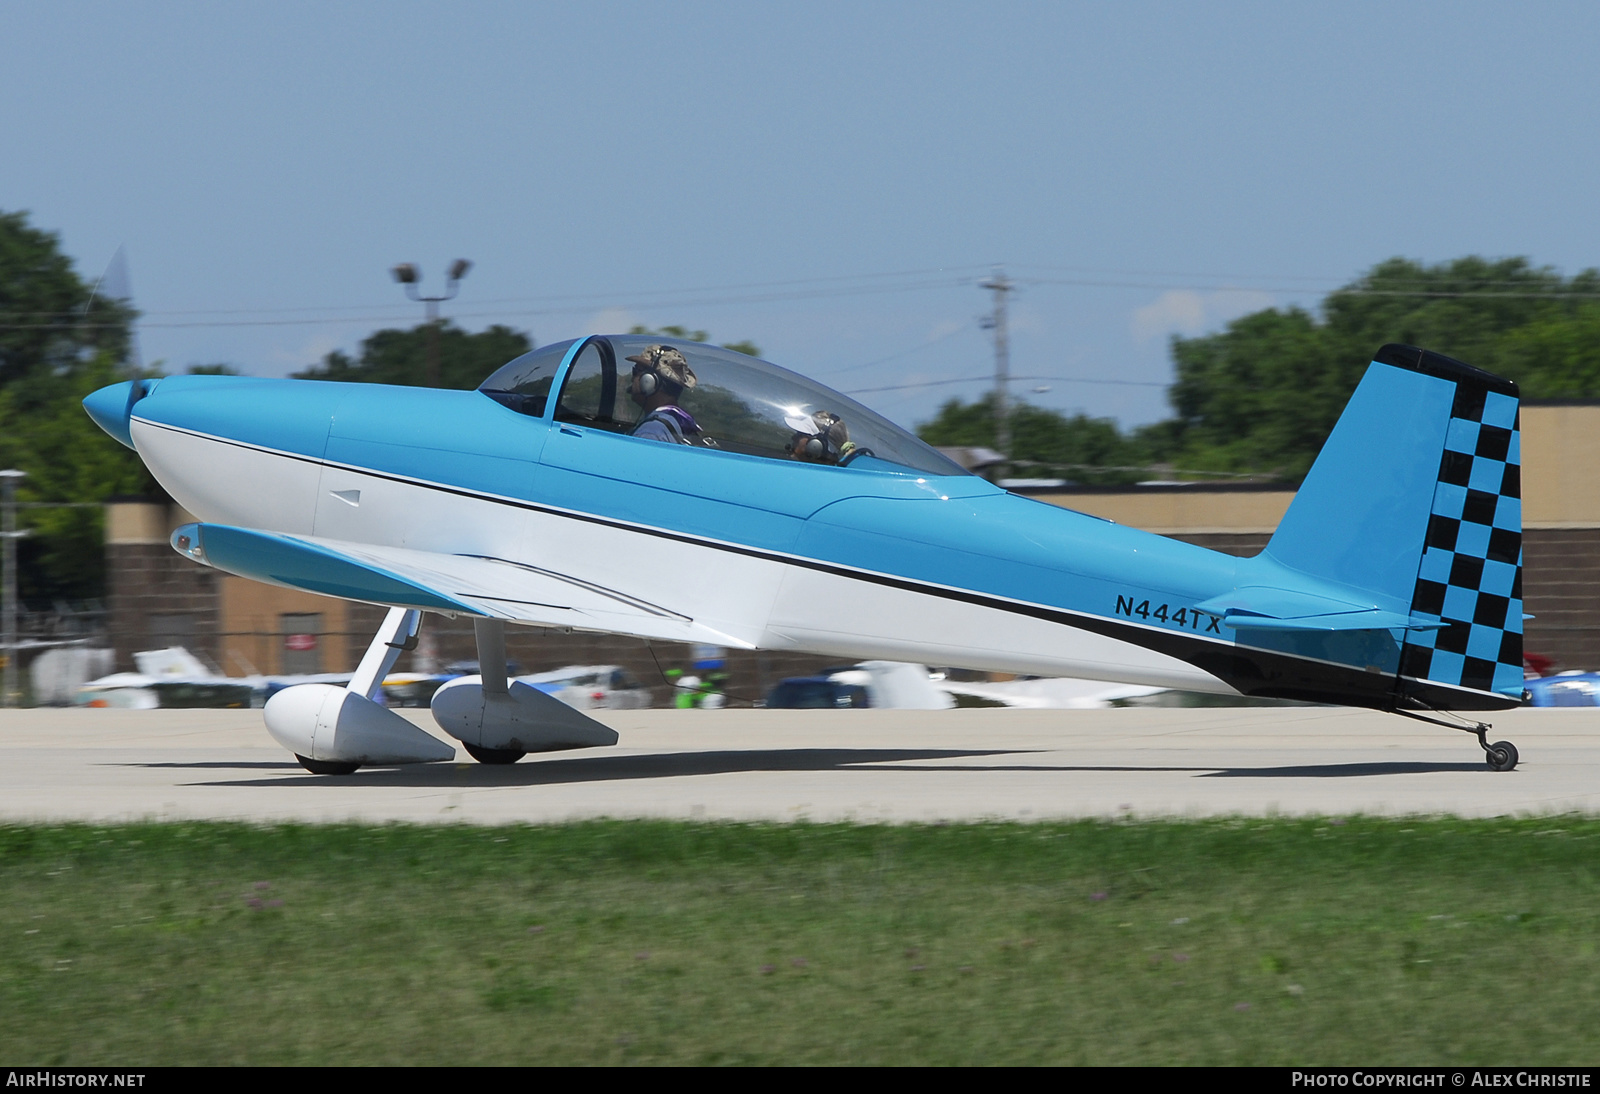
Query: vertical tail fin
x=1415, y=501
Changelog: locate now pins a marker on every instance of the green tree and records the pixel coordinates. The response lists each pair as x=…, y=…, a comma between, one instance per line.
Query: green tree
x=44, y=431
x=1261, y=395
x=401, y=357
x=59, y=342
x=1079, y=447
x=747, y=347
x=1556, y=356
x=49, y=318
x=1264, y=393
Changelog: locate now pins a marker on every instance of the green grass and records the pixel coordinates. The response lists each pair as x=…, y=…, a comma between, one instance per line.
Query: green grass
x=1218, y=942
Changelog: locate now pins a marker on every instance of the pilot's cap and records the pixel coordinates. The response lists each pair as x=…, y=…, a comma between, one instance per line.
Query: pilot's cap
x=823, y=421
x=822, y=437
x=667, y=363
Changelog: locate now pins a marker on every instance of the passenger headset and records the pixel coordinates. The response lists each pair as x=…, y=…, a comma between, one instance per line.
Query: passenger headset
x=824, y=444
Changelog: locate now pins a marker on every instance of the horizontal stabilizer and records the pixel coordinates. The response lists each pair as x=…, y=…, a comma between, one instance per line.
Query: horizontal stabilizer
x=1262, y=608
x=1371, y=620
x=457, y=584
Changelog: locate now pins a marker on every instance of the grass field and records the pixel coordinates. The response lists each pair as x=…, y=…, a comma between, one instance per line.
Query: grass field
x=1220, y=942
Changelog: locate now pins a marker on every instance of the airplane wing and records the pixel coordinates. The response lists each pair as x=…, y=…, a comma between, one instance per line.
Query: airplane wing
x=467, y=584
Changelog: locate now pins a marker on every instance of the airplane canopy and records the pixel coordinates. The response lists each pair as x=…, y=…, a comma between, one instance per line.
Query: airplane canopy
x=723, y=400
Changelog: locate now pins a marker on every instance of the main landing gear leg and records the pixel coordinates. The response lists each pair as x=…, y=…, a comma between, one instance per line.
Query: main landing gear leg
x=1500, y=756
x=333, y=730
x=499, y=721
x=491, y=636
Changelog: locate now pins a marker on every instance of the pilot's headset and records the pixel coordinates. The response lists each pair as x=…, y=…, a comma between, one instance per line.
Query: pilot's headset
x=819, y=438
x=653, y=361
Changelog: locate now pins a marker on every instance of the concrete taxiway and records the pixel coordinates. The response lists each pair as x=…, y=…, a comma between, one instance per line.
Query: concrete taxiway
x=895, y=766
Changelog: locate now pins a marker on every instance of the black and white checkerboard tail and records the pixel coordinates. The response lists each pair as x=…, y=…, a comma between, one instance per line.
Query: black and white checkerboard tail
x=1415, y=501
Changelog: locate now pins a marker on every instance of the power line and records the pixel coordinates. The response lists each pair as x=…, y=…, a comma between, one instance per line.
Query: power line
x=983, y=379
x=1086, y=276
x=580, y=301
x=592, y=304
x=1098, y=271
x=514, y=308
x=683, y=299
x=896, y=356
x=1145, y=467
x=1232, y=278
x=601, y=303
x=1418, y=293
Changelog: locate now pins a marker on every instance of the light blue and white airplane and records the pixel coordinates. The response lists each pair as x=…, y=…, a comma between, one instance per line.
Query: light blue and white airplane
x=773, y=513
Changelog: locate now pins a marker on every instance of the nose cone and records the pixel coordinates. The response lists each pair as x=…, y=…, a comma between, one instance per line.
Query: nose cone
x=111, y=407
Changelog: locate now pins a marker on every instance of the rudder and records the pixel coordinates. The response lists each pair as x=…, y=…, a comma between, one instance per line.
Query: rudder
x=1415, y=503
x=1470, y=577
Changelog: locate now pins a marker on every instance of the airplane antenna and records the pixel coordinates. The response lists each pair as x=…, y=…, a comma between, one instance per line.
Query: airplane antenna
x=1000, y=285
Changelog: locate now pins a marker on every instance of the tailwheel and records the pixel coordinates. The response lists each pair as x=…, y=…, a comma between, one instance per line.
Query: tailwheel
x=493, y=755
x=1501, y=756
x=327, y=767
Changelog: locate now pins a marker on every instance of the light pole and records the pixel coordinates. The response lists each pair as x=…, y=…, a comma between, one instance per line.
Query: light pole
x=8, y=481
x=407, y=274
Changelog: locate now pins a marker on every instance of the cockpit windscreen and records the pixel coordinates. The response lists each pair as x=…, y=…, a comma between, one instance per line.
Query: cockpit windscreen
x=523, y=383
x=697, y=394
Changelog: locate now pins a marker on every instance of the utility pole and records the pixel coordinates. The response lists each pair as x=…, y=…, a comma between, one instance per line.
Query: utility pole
x=407, y=274
x=1000, y=285
x=8, y=502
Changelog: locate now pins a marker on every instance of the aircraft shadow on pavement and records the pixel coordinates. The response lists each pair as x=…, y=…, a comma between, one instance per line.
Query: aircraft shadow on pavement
x=1348, y=771
x=224, y=765
x=613, y=768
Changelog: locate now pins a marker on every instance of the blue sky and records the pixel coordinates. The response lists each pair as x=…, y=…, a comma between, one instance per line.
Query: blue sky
x=752, y=169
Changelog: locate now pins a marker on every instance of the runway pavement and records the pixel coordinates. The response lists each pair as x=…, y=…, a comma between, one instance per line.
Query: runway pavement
x=830, y=765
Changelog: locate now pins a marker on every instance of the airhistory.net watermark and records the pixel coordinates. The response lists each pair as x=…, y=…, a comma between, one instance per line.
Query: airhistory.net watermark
x=71, y=1077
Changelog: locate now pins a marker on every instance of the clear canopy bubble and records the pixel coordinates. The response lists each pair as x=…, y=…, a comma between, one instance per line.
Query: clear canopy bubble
x=735, y=403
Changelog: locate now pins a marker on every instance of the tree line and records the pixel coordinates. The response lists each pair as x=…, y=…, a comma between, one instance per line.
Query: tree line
x=1258, y=397
x=1261, y=396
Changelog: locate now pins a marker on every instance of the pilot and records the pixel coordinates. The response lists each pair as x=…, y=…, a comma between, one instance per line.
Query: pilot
x=660, y=377
x=819, y=438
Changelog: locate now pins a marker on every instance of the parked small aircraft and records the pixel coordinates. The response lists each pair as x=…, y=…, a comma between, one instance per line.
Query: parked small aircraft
x=893, y=685
x=685, y=492
x=171, y=677
x=592, y=687
x=1565, y=689
x=1058, y=693
x=174, y=677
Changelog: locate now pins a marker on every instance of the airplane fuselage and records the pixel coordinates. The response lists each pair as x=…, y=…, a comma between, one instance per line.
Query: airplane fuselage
x=848, y=562
x=1393, y=581
x=746, y=506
